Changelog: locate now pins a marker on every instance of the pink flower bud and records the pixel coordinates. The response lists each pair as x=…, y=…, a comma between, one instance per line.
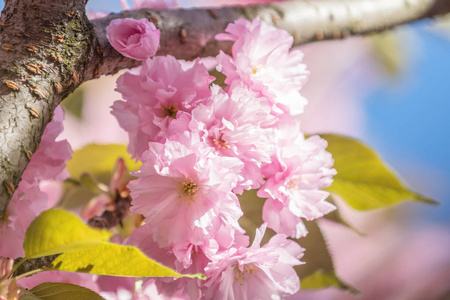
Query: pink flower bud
x=6, y=265
x=137, y=39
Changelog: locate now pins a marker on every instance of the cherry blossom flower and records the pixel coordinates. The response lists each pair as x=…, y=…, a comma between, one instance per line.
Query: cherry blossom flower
x=137, y=39
x=183, y=196
x=155, y=95
x=127, y=288
x=231, y=125
x=261, y=59
x=256, y=272
x=294, y=180
x=185, y=258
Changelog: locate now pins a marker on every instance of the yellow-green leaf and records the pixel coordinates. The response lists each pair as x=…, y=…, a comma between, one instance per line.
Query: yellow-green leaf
x=220, y=78
x=336, y=217
x=389, y=51
x=56, y=231
x=318, y=270
x=320, y=279
x=363, y=180
x=115, y=260
x=99, y=160
x=73, y=104
x=58, y=291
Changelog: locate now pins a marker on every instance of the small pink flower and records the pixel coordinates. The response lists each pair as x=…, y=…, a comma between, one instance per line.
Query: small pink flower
x=262, y=60
x=256, y=272
x=231, y=125
x=136, y=39
x=294, y=179
x=156, y=94
x=185, y=258
x=184, y=196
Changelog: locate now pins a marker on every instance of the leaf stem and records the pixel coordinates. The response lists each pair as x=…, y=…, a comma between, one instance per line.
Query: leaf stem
x=29, y=273
x=16, y=266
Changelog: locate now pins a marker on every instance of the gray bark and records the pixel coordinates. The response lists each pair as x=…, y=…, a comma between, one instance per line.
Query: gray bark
x=49, y=47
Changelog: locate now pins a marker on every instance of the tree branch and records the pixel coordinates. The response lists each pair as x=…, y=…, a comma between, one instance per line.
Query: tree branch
x=49, y=48
x=307, y=21
x=46, y=48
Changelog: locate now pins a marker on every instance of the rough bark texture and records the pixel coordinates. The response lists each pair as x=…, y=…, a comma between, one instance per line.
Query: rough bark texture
x=49, y=47
x=45, y=49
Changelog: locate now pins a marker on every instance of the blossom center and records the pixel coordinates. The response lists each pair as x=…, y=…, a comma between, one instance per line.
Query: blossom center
x=220, y=143
x=170, y=110
x=293, y=183
x=248, y=271
x=188, y=191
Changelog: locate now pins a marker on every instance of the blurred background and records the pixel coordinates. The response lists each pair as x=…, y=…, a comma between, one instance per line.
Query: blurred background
x=392, y=92
x=389, y=90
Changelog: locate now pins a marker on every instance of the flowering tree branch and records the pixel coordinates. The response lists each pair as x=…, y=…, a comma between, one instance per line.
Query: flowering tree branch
x=48, y=48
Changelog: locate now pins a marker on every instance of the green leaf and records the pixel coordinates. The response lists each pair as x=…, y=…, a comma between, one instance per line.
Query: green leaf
x=318, y=270
x=317, y=258
x=321, y=279
x=58, y=291
x=56, y=231
x=99, y=160
x=220, y=78
x=252, y=206
x=336, y=217
x=363, y=180
x=73, y=104
x=115, y=260
x=389, y=51
x=86, y=249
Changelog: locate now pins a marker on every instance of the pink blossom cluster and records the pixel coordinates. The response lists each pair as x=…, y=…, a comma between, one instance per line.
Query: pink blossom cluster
x=39, y=189
x=202, y=144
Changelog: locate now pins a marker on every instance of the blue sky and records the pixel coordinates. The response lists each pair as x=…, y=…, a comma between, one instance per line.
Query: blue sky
x=408, y=120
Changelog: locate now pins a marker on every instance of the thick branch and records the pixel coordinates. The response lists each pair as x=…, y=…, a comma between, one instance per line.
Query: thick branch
x=49, y=48
x=306, y=20
x=45, y=48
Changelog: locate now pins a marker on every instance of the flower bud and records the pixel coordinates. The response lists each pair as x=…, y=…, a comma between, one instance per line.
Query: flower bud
x=136, y=39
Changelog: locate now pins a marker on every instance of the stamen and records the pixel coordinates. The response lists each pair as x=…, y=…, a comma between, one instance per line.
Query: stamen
x=188, y=191
x=248, y=271
x=220, y=143
x=170, y=110
x=294, y=182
